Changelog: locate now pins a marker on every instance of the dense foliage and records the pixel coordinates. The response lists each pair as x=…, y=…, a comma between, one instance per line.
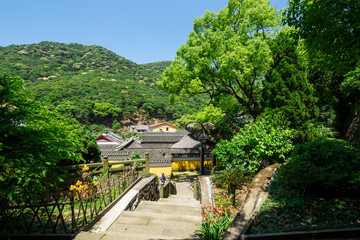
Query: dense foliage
x=323, y=167
x=93, y=84
x=34, y=142
x=329, y=26
x=287, y=92
x=226, y=56
x=331, y=30
x=258, y=144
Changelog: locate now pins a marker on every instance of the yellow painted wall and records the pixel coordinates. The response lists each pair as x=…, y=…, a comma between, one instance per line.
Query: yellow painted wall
x=164, y=128
x=158, y=170
x=188, y=165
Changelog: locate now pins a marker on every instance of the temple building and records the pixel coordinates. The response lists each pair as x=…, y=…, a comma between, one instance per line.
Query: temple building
x=168, y=151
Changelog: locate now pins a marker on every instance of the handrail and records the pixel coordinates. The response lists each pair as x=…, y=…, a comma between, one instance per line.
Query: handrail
x=94, y=165
x=67, y=212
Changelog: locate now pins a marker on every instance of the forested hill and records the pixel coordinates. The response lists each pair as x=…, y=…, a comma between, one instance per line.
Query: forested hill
x=92, y=83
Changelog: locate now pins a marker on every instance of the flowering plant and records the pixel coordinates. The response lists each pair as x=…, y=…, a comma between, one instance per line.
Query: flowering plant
x=85, y=168
x=215, y=222
x=83, y=190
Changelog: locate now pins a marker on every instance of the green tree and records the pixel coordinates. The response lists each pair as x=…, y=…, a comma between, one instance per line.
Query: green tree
x=226, y=55
x=116, y=126
x=34, y=142
x=331, y=29
x=287, y=91
x=331, y=26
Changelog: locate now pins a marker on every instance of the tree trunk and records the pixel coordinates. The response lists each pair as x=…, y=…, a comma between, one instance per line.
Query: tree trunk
x=353, y=132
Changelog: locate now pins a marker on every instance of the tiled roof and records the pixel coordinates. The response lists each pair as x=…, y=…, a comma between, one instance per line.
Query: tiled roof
x=162, y=137
x=186, y=142
x=112, y=137
x=160, y=146
x=107, y=145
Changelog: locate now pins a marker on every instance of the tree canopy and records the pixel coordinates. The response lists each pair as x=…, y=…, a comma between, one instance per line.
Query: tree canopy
x=226, y=55
x=331, y=26
x=287, y=91
x=34, y=142
x=331, y=29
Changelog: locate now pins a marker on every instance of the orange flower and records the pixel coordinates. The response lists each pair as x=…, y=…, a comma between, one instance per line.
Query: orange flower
x=85, y=168
x=78, y=183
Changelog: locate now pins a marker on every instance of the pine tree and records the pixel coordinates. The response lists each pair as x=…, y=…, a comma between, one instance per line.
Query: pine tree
x=287, y=91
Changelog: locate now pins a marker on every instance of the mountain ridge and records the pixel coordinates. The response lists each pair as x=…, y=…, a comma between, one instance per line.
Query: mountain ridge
x=93, y=84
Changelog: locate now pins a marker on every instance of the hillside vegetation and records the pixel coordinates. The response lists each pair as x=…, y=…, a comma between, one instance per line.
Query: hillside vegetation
x=93, y=84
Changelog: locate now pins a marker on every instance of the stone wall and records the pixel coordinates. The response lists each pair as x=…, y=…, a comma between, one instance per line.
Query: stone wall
x=148, y=190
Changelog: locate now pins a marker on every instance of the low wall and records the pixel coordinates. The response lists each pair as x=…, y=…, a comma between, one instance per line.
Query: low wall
x=189, y=165
x=147, y=190
x=167, y=170
x=168, y=189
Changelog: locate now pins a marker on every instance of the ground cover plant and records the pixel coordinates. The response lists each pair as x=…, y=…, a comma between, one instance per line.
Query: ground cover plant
x=316, y=189
x=287, y=210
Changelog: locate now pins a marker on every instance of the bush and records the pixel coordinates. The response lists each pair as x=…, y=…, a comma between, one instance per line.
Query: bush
x=258, y=144
x=323, y=165
x=300, y=174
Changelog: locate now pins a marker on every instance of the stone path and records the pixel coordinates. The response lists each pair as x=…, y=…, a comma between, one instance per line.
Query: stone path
x=176, y=217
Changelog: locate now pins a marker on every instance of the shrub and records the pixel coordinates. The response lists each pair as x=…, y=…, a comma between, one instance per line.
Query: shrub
x=231, y=179
x=258, y=144
x=300, y=174
x=324, y=165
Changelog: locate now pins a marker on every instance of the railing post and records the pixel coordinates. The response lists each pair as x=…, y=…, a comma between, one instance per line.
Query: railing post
x=161, y=191
x=73, y=220
x=195, y=188
x=147, y=164
x=106, y=166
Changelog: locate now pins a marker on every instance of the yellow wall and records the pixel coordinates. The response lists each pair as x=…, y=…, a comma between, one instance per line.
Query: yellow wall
x=188, y=165
x=158, y=170
x=164, y=128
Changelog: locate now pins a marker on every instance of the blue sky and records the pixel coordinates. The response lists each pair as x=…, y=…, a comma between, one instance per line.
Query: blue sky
x=142, y=31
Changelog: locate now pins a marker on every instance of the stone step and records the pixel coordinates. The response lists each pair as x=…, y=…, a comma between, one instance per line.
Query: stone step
x=156, y=207
x=196, y=219
x=181, y=198
x=139, y=236
x=136, y=223
x=179, y=203
x=174, y=202
x=149, y=221
x=151, y=232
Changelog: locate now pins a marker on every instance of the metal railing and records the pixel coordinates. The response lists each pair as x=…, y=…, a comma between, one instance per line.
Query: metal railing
x=67, y=212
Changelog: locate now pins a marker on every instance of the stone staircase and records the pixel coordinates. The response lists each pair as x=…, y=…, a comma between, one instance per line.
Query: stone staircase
x=176, y=217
